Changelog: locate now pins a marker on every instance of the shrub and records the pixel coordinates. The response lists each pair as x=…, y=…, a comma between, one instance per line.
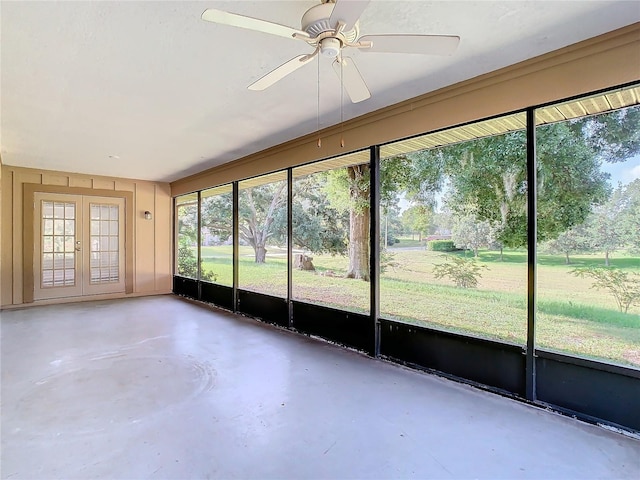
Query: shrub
x=188, y=263
x=387, y=260
x=462, y=271
x=441, y=246
x=624, y=287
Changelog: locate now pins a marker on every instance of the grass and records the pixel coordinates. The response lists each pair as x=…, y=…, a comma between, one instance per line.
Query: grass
x=571, y=316
x=408, y=242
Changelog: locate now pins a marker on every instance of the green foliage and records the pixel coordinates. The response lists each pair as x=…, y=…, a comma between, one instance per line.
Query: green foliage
x=417, y=219
x=348, y=188
x=570, y=182
x=188, y=263
x=441, y=246
x=464, y=272
x=614, y=136
x=490, y=174
x=624, y=286
x=217, y=214
x=628, y=218
x=188, y=221
x=317, y=226
x=387, y=260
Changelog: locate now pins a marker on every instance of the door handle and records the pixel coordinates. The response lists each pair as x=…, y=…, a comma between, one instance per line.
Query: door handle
x=77, y=245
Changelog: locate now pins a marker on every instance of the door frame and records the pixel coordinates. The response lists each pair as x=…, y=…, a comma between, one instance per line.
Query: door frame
x=29, y=190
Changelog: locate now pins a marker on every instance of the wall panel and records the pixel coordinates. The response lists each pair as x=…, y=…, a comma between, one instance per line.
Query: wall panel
x=144, y=251
x=162, y=202
x=152, y=238
x=6, y=232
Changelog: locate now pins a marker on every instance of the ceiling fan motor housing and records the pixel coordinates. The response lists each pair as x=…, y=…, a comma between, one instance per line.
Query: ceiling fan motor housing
x=315, y=22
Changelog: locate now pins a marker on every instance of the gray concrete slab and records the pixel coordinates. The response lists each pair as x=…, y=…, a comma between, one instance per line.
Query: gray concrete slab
x=159, y=387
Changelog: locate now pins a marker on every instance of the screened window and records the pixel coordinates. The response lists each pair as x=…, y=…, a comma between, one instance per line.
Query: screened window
x=454, y=230
x=589, y=227
x=262, y=208
x=216, y=235
x=187, y=235
x=331, y=221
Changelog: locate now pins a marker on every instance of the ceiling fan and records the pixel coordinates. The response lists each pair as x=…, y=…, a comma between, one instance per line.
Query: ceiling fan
x=331, y=27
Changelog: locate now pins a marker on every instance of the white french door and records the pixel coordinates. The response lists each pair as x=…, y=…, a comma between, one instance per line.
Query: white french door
x=78, y=245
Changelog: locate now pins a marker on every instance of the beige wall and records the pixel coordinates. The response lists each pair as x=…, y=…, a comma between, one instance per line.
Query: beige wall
x=152, y=251
x=598, y=63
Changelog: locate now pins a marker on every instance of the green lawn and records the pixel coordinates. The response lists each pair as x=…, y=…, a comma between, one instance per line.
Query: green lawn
x=571, y=316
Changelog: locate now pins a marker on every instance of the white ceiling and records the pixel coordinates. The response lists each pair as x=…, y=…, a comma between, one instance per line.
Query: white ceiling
x=148, y=90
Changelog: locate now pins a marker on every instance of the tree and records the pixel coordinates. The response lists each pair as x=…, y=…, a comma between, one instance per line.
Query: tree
x=348, y=191
x=317, y=226
x=464, y=272
x=470, y=233
x=390, y=225
x=417, y=219
x=612, y=136
x=629, y=218
x=490, y=173
x=258, y=208
x=611, y=225
x=217, y=214
x=574, y=240
x=624, y=286
x=359, y=217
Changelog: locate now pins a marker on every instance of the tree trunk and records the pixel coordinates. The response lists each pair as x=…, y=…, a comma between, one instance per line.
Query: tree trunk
x=303, y=262
x=606, y=258
x=261, y=253
x=567, y=261
x=501, y=254
x=358, y=222
x=386, y=231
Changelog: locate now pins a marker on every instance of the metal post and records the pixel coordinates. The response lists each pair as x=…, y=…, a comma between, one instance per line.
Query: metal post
x=374, y=241
x=532, y=237
x=290, y=244
x=199, y=237
x=236, y=244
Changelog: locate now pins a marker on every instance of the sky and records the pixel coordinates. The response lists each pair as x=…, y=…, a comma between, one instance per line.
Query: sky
x=623, y=172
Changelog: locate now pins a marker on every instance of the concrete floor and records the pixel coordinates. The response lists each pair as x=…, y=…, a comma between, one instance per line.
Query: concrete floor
x=158, y=387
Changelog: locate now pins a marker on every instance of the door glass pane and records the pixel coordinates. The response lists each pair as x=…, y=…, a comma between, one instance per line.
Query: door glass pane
x=70, y=210
x=104, y=242
x=58, y=235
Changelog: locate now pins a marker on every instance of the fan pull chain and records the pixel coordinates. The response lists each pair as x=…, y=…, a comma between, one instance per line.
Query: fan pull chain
x=318, y=111
x=341, y=103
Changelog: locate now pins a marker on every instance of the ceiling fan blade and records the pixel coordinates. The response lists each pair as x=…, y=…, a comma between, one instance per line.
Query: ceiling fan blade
x=352, y=80
x=347, y=12
x=423, y=44
x=282, y=71
x=235, y=20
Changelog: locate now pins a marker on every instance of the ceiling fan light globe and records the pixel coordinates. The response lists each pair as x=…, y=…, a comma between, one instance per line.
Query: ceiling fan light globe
x=330, y=47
